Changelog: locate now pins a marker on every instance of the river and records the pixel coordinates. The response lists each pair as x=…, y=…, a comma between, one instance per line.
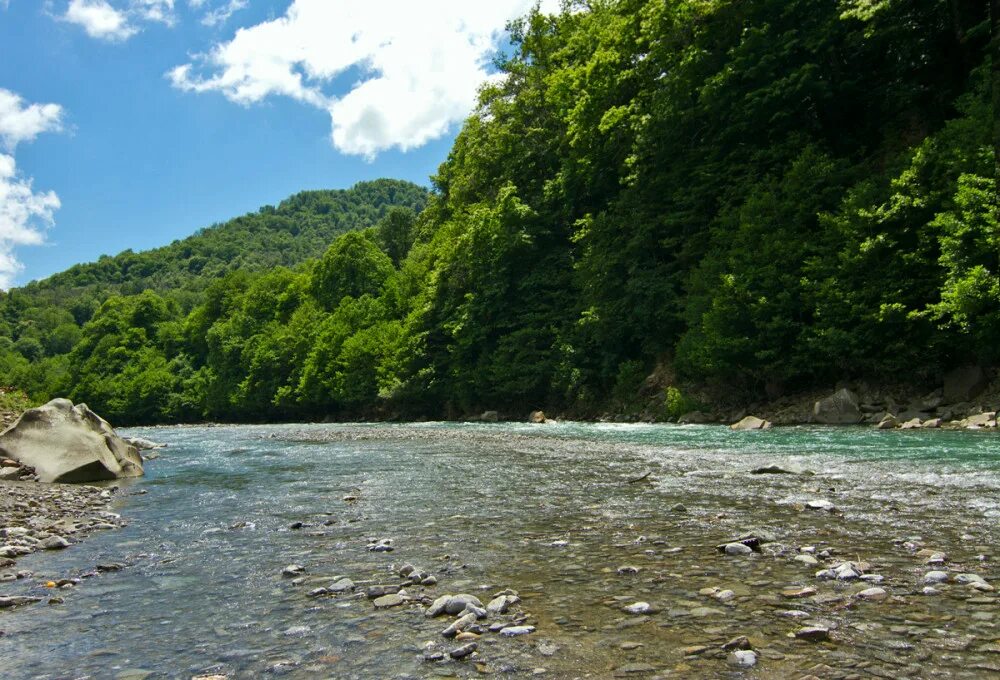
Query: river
x=552, y=512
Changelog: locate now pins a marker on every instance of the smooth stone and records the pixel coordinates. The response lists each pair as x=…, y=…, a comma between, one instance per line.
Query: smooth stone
x=292, y=570
x=513, y=631
x=456, y=603
x=813, y=634
x=459, y=625
x=737, y=549
x=463, y=651
x=55, y=543
x=386, y=601
x=743, y=658
x=936, y=577
x=741, y=642
x=873, y=594
x=806, y=559
x=638, y=608
x=342, y=585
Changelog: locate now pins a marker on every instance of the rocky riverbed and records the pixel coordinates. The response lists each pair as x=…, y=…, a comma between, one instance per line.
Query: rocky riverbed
x=46, y=517
x=605, y=551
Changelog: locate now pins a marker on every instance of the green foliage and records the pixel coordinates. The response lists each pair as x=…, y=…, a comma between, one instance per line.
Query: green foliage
x=676, y=403
x=13, y=401
x=779, y=192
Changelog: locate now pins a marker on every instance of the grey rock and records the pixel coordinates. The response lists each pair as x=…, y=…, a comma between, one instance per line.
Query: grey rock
x=500, y=604
x=67, y=443
x=438, y=606
x=456, y=603
x=459, y=625
x=840, y=408
x=293, y=570
x=751, y=423
x=55, y=543
x=873, y=594
x=342, y=585
x=963, y=384
x=743, y=658
x=737, y=549
x=638, y=608
x=514, y=631
x=463, y=651
x=813, y=634
x=932, y=577
x=386, y=601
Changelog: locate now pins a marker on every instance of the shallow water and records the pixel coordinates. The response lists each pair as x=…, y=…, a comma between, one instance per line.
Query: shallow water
x=547, y=511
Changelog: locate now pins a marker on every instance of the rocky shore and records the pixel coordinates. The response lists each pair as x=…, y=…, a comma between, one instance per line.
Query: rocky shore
x=37, y=516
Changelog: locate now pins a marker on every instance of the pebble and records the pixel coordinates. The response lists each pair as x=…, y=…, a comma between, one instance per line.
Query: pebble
x=741, y=642
x=292, y=570
x=743, y=658
x=55, y=543
x=737, y=549
x=638, y=608
x=873, y=594
x=513, y=631
x=813, y=634
x=342, y=585
x=806, y=559
x=463, y=651
x=386, y=601
x=935, y=577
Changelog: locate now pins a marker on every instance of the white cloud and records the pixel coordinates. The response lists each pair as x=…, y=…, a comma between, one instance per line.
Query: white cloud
x=221, y=14
x=21, y=122
x=419, y=64
x=118, y=22
x=161, y=11
x=24, y=213
x=100, y=20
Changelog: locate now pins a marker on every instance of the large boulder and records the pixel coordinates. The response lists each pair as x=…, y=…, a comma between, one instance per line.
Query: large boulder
x=840, y=408
x=751, y=423
x=67, y=443
x=963, y=384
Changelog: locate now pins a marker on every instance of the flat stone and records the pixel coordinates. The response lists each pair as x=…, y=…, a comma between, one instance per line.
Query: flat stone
x=737, y=549
x=873, y=594
x=386, y=601
x=813, y=634
x=463, y=651
x=513, y=631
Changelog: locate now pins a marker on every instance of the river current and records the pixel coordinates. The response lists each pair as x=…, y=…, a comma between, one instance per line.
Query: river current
x=553, y=512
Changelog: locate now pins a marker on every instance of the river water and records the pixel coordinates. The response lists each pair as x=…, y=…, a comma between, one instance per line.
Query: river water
x=550, y=511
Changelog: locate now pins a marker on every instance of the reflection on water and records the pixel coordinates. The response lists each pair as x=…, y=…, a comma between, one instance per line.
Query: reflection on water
x=545, y=510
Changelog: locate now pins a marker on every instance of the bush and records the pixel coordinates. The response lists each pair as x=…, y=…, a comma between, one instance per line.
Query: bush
x=677, y=404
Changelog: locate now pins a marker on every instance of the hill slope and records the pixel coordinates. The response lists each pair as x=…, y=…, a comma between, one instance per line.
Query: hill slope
x=299, y=228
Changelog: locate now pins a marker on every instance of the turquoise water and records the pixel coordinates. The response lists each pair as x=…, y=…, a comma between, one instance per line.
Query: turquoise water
x=548, y=511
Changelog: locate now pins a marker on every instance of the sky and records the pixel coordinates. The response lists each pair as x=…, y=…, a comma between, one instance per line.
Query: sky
x=131, y=123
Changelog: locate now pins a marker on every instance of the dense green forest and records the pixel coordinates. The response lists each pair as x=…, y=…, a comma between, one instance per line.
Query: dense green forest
x=747, y=197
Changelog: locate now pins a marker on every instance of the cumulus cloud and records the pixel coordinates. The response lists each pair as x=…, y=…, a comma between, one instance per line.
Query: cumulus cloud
x=100, y=20
x=418, y=65
x=24, y=213
x=118, y=22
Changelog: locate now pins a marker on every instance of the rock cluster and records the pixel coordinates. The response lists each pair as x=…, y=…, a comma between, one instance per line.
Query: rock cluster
x=36, y=517
x=470, y=617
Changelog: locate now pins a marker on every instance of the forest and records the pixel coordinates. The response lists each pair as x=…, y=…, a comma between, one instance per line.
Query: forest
x=749, y=198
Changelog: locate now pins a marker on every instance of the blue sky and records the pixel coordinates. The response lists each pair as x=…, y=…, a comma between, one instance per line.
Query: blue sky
x=130, y=123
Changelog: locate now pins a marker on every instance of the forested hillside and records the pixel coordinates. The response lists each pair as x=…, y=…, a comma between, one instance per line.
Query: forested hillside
x=751, y=197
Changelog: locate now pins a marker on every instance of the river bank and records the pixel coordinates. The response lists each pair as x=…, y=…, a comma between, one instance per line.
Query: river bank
x=47, y=517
